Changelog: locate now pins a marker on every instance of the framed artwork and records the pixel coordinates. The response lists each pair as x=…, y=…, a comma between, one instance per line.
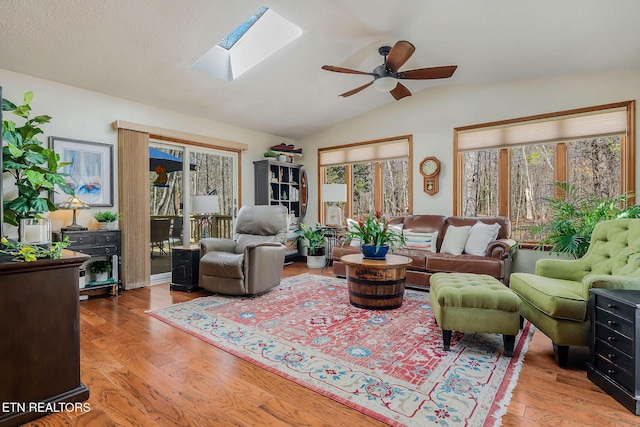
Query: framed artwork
x=90, y=171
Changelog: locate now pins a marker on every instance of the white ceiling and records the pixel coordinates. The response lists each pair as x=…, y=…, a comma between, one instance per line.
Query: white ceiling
x=142, y=50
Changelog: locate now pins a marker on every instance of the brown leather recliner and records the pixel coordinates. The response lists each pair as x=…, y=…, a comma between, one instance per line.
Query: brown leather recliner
x=251, y=262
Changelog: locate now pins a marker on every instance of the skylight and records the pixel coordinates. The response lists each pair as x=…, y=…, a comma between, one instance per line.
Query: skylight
x=250, y=43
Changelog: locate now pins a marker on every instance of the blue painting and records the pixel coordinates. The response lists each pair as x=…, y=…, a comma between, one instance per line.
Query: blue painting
x=89, y=173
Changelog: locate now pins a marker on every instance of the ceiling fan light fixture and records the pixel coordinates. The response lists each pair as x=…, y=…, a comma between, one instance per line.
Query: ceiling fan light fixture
x=385, y=84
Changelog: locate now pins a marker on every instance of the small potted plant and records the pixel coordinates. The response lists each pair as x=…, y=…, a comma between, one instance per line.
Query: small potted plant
x=375, y=236
x=100, y=270
x=269, y=153
x=107, y=220
x=314, y=238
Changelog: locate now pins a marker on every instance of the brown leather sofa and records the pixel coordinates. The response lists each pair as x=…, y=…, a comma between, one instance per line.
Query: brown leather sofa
x=496, y=262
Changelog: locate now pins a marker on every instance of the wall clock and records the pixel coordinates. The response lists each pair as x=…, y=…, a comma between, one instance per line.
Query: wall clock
x=430, y=170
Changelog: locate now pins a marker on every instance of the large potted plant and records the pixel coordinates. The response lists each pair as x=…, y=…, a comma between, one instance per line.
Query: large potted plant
x=313, y=239
x=376, y=237
x=574, y=217
x=34, y=167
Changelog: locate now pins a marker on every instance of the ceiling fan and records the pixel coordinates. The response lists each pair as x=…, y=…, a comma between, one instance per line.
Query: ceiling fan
x=386, y=76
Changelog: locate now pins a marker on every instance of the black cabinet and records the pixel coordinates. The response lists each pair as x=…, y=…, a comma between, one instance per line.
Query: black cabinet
x=185, y=262
x=615, y=344
x=98, y=243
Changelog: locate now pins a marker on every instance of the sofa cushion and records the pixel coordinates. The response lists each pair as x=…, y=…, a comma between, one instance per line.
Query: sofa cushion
x=418, y=257
x=455, y=239
x=505, y=223
x=557, y=298
x=480, y=236
x=424, y=241
x=448, y=263
x=351, y=226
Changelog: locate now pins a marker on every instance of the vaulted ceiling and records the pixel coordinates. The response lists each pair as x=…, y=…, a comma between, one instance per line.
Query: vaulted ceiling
x=142, y=50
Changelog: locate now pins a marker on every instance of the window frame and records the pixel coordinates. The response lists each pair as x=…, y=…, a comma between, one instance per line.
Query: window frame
x=561, y=172
x=377, y=167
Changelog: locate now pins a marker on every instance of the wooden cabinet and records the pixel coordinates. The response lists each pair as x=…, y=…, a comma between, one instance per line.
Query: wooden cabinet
x=615, y=344
x=107, y=243
x=40, y=345
x=185, y=268
x=282, y=183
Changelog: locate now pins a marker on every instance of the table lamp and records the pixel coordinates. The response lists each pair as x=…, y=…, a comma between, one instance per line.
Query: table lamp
x=205, y=205
x=73, y=202
x=334, y=193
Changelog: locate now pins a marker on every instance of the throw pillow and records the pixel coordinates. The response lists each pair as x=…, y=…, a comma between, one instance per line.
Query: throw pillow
x=396, y=228
x=424, y=241
x=351, y=224
x=455, y=239
x=480, y=236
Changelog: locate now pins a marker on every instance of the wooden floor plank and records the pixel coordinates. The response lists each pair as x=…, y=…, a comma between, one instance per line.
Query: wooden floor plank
x=141, y=371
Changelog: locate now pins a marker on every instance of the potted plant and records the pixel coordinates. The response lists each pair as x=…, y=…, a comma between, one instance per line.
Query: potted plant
x=375, y=236
x=34, y=167
x=100, y=270
x=106, y=219
x=269, y=153
x=313, y=239
x=575, y=216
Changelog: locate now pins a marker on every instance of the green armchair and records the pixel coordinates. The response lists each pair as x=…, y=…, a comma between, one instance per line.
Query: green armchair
x=555, y=298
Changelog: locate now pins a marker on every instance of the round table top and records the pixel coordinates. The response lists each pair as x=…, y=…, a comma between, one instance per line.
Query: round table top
x=389, y=261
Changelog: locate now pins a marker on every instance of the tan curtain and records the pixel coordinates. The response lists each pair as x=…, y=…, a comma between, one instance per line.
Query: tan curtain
x=133, y=200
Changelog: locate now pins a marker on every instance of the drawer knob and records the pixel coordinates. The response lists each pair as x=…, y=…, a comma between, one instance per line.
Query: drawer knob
x=611, y=339
x=611, y=372
x=80, y=240
x=107, y=250
x=611, y=322
x=611, y=356
x=611, y=305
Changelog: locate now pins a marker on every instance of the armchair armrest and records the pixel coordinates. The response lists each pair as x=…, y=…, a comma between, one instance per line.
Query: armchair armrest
x=567, y=269
x=214, y=244
x=501, y=248
x=609, y=282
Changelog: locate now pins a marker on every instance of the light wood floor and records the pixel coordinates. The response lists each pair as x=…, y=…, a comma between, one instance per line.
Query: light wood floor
x=143, y=372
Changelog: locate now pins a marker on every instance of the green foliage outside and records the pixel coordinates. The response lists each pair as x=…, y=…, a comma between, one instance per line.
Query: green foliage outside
x=576, y=215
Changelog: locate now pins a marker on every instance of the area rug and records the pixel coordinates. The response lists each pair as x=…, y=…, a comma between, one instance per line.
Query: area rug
x=387, y=364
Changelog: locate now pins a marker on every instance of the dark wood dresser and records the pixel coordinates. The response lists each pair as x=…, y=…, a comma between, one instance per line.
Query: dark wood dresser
x=615, y=344
x=40, y=341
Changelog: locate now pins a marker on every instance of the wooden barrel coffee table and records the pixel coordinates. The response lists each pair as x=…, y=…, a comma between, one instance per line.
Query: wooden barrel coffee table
x=376, y=284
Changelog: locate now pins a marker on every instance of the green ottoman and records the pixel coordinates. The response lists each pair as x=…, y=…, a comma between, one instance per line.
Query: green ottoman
x=475, y=303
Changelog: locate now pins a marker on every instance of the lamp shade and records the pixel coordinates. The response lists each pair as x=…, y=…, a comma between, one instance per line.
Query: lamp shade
x=204, y=204
x=385, y=84
x=73, y=202
x=334, y=192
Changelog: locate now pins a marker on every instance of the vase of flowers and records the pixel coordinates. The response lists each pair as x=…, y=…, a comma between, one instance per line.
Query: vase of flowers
x=375, y=236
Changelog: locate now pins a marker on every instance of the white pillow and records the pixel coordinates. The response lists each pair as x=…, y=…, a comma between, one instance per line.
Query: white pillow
x=455, y=239
x=351, y=224
x=396, y=228
x=424, y=241
x=480, y=236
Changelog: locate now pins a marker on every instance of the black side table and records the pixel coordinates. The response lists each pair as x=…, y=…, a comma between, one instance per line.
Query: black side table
x=185, y=263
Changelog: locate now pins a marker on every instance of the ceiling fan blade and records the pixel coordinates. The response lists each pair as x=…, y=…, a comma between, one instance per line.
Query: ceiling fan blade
x=399, y=54
x=429, y=73
x=343, y=70
x=400, y=92
x=356, y=90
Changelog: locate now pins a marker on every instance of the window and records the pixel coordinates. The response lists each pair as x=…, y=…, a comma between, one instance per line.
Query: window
x=377, y=175
x=508, y=168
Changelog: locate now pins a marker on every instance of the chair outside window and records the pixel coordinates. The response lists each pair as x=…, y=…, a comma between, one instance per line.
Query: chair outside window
x=176, y=232
x=160, y=234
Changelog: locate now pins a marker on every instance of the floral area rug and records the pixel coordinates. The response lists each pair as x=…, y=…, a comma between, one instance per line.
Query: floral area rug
x=387, y=364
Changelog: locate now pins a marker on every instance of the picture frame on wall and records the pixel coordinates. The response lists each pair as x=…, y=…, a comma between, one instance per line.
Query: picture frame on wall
x=90, y=171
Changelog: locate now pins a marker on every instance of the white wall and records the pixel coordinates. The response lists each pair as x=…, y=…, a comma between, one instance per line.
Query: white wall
x=431, y=116
x=86, y=115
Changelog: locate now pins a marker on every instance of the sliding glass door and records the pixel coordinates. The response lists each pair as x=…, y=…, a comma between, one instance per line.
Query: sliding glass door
x=210, y=181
